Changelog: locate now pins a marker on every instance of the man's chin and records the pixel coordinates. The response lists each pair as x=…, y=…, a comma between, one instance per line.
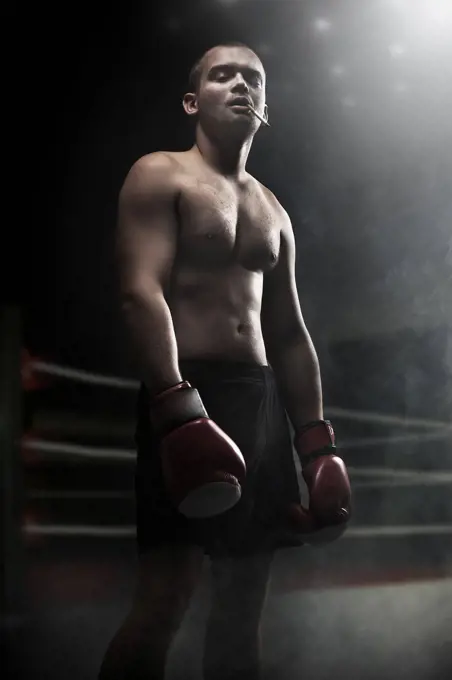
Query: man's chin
x=242, y=114
x=240, y=120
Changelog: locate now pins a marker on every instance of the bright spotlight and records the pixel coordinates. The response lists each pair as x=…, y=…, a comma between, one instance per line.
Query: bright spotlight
x=438, y=14
x=322, y=25
x=348, y=101
x=400, y=88
x=337, y=70
x=431, y=19
x=398, y=4
x=396, y=50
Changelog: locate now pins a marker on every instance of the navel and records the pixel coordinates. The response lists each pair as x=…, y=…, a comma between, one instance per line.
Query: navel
x=243, y=328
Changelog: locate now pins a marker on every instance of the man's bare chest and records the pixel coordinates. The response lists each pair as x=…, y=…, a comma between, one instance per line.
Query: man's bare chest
x=220, y=225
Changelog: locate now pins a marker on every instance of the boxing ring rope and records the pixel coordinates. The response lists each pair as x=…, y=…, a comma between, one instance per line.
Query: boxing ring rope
x=363, y=477
x=85, y=531
x=411, y=476
x=81, y=376
x=78, y=450
x=122, y=383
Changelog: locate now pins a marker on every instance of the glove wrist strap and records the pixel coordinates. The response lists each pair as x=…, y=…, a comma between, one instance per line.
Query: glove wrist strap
x=170, y=390
x=176, y=406
x=315, y=439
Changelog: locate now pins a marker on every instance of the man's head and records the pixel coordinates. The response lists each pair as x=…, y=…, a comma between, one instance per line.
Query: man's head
x=221, y=82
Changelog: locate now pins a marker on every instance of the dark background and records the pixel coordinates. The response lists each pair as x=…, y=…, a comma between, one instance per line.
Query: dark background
x=359, y=153
x=360, y=158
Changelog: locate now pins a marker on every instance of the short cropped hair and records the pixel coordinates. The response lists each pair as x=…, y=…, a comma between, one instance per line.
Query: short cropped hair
x=194, y=78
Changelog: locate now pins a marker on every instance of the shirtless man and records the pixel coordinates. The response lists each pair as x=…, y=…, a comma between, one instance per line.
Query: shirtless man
x=207, y=261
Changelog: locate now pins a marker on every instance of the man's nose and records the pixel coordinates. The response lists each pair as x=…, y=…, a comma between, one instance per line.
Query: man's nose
x=240, y=84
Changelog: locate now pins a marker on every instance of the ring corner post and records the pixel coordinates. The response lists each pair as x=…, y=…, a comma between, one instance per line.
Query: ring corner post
x=11, y=477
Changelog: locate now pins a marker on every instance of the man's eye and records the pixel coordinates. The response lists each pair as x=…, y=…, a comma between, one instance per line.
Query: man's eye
x=256, y=82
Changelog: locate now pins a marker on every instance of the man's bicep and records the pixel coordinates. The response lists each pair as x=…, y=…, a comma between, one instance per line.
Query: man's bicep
x=282, y=319
x=146, y=230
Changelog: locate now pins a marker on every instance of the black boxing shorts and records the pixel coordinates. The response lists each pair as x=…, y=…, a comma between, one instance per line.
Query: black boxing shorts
x=243, y=400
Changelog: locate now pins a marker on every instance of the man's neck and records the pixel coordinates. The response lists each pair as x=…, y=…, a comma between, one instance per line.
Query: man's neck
x=227, y=156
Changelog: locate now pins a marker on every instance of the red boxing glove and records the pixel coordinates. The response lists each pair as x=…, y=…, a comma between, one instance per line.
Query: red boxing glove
x=328, y=484
x=202, y=467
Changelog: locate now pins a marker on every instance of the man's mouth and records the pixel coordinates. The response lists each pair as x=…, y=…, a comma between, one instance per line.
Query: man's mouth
x=240, y=101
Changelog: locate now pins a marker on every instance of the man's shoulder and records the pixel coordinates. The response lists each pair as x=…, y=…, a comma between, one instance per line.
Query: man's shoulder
x=272, y=200
x=162, y=170
x=169, y=162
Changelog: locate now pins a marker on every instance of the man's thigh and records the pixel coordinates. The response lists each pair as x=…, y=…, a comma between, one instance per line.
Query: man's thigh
x=167, y=578
x=240, y=586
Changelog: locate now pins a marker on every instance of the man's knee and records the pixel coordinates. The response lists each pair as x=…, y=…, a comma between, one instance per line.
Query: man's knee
x=239, y=587
x=166, y=582
x=156, y=620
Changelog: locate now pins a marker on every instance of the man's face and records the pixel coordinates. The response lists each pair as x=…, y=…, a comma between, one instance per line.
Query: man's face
x=231, y=77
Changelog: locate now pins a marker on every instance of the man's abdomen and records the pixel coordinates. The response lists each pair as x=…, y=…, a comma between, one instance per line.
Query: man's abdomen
x=217, y=313
x=209, y=332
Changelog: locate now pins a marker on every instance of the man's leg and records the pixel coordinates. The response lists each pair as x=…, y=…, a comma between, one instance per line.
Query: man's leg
x=232, y=644
x=167, y=579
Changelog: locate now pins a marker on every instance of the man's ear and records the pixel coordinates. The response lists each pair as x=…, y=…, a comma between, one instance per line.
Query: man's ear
x=190, y=104
x=266, y=112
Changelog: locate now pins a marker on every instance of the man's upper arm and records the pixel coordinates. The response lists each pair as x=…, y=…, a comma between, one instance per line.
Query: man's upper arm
x=282, y=320
x=147, y=226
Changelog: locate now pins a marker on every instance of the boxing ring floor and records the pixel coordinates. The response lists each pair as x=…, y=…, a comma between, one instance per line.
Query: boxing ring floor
x=385, y=618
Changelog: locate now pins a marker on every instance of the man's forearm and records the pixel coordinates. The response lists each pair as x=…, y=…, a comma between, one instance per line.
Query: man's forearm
x=150, y=325
x=297, y=373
